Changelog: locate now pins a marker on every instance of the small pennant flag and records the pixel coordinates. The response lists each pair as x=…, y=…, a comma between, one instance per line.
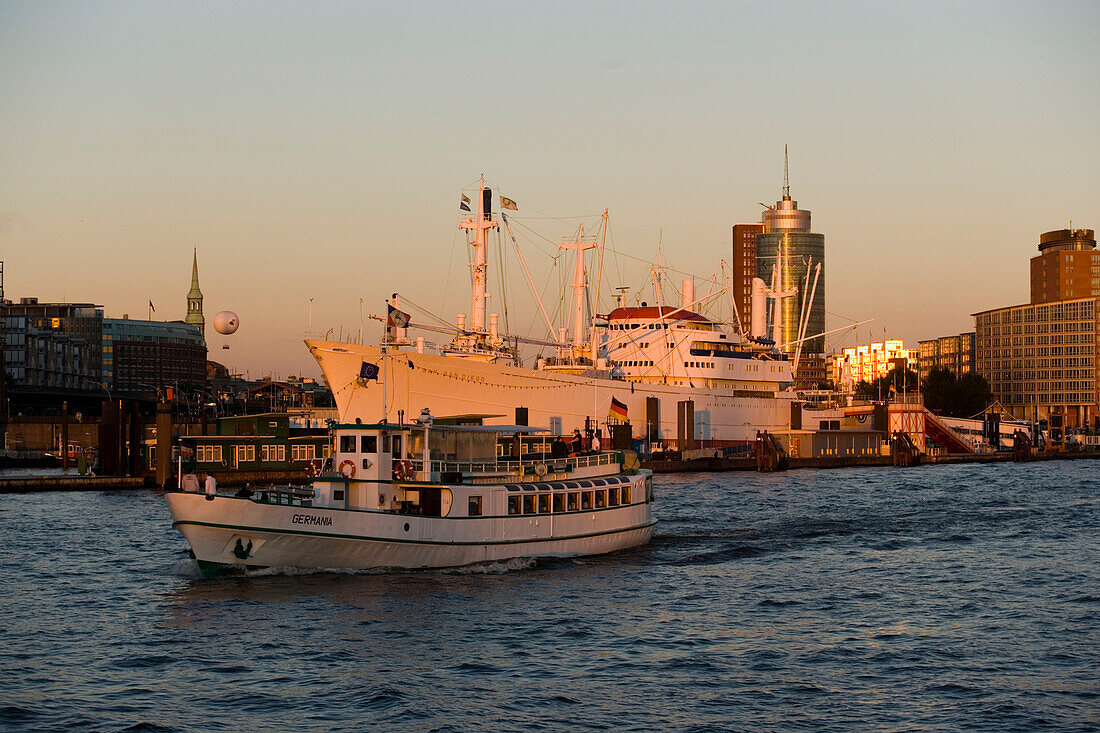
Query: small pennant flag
x=368, y=371
x=152, y=307
x=617, y=409
x=893, y=390
x=396, y=318
x=463, y=206
x=465, y=199
x=507, y=203
x=187, y=449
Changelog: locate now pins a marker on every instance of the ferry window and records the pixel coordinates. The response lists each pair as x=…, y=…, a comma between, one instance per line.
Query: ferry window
x=612, y=497
x=347, y=443
x=513, y=505
x=368, y=444
x=601, y=499
x=529, y=504
x=559, y=502
x=571, y=501
x=337, y=495
x=475, y=506
x=544, y=503
x=385, y=444
x=397, y=445
x=586, y=500
x=626, y=494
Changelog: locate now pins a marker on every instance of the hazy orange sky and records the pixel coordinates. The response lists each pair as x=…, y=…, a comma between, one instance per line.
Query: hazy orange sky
x=318, y=150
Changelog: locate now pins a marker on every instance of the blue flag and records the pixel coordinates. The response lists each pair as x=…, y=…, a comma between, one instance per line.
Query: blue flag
x=368, y=371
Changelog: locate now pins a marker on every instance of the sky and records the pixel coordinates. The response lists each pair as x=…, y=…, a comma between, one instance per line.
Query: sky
x=314, y=153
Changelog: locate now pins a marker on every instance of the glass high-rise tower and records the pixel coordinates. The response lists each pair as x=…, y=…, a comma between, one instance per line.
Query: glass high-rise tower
x=787, y=237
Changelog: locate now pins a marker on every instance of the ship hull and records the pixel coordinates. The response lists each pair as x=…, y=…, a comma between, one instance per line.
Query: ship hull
x=449, y=386
x=230, y=532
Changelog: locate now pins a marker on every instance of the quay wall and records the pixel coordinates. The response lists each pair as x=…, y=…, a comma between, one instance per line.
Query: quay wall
x=747, y=464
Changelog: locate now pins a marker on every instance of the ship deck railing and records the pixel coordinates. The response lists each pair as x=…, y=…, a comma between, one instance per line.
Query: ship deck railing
x=507, y=467
x=287, y=495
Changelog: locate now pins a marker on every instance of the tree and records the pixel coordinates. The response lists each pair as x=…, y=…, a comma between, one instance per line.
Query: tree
x=963, y=397
x=939, y=390
x=865, y=391
x=972, y=395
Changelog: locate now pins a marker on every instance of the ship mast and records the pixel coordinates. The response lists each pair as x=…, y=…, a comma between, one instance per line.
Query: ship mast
x=481, y=222
x=579, y=285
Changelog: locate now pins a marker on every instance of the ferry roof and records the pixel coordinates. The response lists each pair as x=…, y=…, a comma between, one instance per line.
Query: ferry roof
x=652, y=313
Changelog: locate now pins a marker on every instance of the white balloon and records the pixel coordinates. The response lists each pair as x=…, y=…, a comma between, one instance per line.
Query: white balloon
x=226, y=322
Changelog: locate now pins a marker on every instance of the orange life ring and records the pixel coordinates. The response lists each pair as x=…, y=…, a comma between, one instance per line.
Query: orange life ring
x=403, y=470
x=350, y=473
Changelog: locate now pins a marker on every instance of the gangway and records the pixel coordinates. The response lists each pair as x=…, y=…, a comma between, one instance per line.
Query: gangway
x=945, y=436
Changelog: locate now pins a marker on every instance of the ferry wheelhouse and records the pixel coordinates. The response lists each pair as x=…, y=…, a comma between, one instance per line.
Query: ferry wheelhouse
x=425, y=496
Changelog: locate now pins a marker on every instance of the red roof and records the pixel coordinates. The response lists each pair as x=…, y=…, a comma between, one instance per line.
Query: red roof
x=652, y=313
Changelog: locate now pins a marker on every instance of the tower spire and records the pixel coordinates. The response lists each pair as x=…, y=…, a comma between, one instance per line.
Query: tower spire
x=194, y=298
x=786, y=177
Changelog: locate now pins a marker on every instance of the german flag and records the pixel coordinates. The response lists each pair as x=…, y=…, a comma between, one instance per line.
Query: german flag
x=617, y=410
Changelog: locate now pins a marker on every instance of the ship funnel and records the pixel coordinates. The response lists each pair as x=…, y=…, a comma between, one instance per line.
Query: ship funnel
x=759, y=320
x=687, y=294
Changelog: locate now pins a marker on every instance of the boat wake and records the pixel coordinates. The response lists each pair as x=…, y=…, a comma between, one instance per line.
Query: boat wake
x=189, y=569
x=493, y=568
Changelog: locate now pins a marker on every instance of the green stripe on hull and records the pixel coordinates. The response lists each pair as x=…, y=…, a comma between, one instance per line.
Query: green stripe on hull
x=365, y=538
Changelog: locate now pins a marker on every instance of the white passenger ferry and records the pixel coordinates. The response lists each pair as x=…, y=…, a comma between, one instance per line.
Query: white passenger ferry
x=426, y=496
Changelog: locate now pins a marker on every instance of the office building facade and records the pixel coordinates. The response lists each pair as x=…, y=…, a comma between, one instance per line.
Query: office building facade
x=1067, y=267
x=1040, y=358
x=144, y=357
x=954, y=353
x=744, y=268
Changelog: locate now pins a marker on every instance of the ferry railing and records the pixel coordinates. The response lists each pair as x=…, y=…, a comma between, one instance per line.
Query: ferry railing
x=524, y=466
x=287, y=495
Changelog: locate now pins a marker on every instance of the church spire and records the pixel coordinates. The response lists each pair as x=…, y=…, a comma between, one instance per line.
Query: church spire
x=194, y=298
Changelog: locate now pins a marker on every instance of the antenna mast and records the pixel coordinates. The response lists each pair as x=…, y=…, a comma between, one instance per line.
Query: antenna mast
x=786, y=177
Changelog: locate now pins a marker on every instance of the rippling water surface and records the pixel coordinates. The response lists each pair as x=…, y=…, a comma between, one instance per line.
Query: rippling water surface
x=928, y=599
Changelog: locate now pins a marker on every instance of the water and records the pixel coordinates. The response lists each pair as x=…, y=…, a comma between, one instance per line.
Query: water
x=931, y=599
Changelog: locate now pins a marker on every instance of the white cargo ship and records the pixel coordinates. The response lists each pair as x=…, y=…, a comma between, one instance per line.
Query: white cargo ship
x=652, y=366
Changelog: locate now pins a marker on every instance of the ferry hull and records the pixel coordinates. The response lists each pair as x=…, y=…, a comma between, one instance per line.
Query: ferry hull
x=449, y=386
x=234, y=532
